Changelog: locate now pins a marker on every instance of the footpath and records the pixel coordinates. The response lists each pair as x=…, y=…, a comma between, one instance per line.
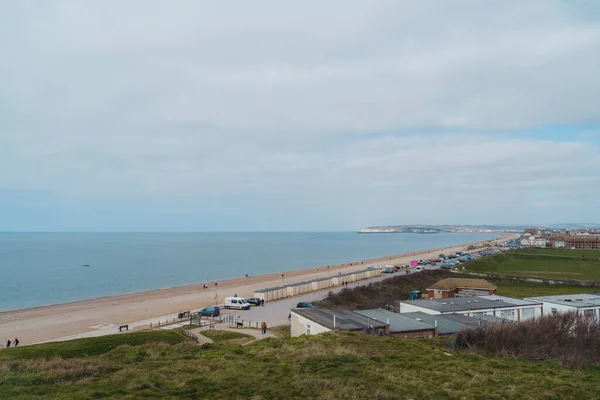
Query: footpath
x=256, y=333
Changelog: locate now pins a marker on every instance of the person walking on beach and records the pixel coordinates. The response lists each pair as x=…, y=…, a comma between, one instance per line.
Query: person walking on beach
x=8, y=343
x=264, y=327
x=16, y=342
x=262, y=302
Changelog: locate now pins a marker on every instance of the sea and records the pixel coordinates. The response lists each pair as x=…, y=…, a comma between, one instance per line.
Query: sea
x=49, y=268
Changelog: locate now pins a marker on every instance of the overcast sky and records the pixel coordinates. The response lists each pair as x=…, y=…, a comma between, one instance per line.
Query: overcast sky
x=311, y=115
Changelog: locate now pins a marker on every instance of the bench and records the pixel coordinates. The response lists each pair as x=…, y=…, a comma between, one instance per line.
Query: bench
x=123, y=326
x=239, y=324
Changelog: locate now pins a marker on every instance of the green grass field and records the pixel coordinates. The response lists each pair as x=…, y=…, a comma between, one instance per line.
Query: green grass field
x=523, y=289
x=349, y=366
x=542, y=263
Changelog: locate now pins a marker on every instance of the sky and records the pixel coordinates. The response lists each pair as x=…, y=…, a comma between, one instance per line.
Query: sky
x=288, y=116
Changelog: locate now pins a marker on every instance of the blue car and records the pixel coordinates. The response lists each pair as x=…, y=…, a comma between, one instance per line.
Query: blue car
x=211, y=311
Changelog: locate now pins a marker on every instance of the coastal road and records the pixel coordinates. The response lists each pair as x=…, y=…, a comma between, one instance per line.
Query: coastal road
x=276, y=312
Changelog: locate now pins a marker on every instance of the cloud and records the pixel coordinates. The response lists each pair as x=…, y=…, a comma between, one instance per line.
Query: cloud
x=351, y=113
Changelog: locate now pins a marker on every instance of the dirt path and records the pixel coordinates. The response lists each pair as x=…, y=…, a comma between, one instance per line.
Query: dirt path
x=256, y=333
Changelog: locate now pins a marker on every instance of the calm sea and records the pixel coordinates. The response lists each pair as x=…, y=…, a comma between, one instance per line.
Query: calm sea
x=48, y=268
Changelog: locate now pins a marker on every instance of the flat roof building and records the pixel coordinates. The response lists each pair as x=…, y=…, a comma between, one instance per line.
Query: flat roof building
x=313, y=321
x=450, y=324
x=583, y=304
x=401, y=325
x=492, y=305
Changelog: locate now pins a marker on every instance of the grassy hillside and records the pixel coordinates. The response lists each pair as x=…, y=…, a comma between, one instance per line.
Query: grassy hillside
x=542, y=263
x=83, y=348
x=525, y=289
x=349, y=366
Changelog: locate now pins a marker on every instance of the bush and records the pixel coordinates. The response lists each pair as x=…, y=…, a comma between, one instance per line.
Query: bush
x=572, y=339
x=387, y=291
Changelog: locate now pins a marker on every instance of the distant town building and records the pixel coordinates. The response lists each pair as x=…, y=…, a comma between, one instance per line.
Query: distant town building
x=559, y=244
x=528, y=241
x=582, y=242
x=532, y=232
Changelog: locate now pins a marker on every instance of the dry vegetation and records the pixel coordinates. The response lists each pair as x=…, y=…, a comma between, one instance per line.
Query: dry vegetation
x=349, y=366
x=572, y=339
x=378, y=294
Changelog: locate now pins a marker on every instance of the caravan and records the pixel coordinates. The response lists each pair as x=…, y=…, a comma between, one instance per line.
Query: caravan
x=237, y=302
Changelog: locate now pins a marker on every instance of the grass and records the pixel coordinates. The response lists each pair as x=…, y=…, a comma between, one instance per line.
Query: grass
x=349, y=366
x=558, y=264
x=512, y=288
x=89, y=347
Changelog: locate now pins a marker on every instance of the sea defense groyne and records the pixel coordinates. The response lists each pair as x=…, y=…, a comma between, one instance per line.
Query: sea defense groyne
x=313, y=285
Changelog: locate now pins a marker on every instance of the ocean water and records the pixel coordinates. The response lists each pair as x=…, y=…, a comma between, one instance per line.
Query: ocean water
x=48, y=268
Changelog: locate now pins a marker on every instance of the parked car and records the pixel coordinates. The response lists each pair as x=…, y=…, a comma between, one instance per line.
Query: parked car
x=210, y=311
x=387, y=271
x=446, y=266
x=255, y=301
x=304, y=304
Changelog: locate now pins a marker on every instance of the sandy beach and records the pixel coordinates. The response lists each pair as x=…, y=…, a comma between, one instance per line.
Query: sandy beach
x=99, y=316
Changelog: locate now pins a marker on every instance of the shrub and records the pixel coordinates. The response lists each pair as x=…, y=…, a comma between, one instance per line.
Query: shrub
x=387, y=291
x=572, y=339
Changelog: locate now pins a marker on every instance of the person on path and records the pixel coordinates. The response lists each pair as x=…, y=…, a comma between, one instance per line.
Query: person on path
x=262, y=302
x=16, y=342
x=8, y=343
x=235, y=295
x=264, y=327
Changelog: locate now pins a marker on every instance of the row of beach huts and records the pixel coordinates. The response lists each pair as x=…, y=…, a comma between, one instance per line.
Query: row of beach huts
x=313, y=285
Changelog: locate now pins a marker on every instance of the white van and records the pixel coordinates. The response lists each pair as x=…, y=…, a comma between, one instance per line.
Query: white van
x=419, y=268
x=237, y=302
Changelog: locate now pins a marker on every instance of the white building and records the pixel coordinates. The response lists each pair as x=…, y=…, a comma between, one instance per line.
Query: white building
x=559, y=244
x=494, y=305
x=528, y=241
x=313, y=321
x=540, y=242
x=583, y=304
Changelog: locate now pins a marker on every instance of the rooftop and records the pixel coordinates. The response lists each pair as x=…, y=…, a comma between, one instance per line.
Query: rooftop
x=458, y=304
x=571, y=300
x=398, y=322
x=344, y=319
x=447, y=324
x=454, y=283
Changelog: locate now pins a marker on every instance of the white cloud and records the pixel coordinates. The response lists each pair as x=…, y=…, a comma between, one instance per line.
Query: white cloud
x=149, y=101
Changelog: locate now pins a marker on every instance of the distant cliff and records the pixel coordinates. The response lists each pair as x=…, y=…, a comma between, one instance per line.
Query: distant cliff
x=400, y=229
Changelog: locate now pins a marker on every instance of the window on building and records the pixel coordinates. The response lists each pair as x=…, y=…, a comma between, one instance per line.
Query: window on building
x=308, y=329
x=507, y=313
x=527, y=312
x=589, y=313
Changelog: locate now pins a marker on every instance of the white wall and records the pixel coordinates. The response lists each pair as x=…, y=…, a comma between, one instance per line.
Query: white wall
x=561, y=308
x=512, y=313
x=406, y=308
x=300, y=325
